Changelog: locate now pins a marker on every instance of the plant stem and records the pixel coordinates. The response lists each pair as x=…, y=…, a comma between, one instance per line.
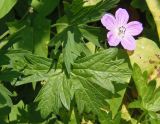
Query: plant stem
x=4, y=34
x=140, y=118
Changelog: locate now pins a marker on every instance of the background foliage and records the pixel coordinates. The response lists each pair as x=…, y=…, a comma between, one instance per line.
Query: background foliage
x=56, y=66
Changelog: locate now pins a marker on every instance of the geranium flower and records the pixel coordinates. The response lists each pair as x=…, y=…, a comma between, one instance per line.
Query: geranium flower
x=120, y=31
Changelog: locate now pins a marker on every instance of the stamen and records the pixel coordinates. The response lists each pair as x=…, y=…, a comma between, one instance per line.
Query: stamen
x=121, y=31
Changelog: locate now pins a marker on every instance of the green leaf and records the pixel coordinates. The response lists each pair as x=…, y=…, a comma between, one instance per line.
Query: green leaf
x=6, y=6
x=73, y=45
x=26, y=34
x=4, y=60
x=68, y=51
x=119, y=88
x=44, y=7
x=81, y=14
x=69, y=35
x=86, y=87
x=17, y=60
x=22, y=5
x=24, y=113
x=3, y=27
x=137, y=4
x=5, y=99
x=92, y=34
x=149, y=93
x=9, y=75
x=13, y=116
x=89, y=74
x=11, y=40
x=140, y=80
x=135, y=104
x=55, y=92
x=34, y=68
x=35, y=37
x=41, y=35
x=73, y=118
x=149, y=96
x=155, y=10
x=4, y=114
x=150, y=30
x=94, y=78
x=91, y=77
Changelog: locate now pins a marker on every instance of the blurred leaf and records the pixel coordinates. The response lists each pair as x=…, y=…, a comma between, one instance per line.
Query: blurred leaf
x=35, y=37
x=26, y=34
x=73, y=119
x=22, y=5
x=24, y=113
x=149, y=30
x=5, y=99
x=41, y=35
x=44, y=7
x=81, y=14
x=126, y=116
x=154, y=7
x=11, y=40
x=13, y=116
x=3, y=26
x=138, y=5
x=149, y=96
x=91, y=2
x=147, y=56
x=9, y=75
x=4, y=114
x=91, y=47
x=6, y=6
x=4, y=60
x=92, y=34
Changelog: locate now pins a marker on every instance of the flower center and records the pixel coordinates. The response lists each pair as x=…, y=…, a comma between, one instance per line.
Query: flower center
x=121, y=31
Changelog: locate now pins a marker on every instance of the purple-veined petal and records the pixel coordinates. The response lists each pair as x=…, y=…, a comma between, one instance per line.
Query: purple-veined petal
x=122, y=16
x=108, y=21
x=134, y=28
x=112, y=39
x=129, y=42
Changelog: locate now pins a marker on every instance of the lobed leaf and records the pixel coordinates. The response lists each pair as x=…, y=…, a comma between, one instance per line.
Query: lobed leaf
x=91, y=78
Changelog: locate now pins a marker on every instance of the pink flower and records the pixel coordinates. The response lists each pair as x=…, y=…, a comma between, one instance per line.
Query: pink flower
x=120, y=31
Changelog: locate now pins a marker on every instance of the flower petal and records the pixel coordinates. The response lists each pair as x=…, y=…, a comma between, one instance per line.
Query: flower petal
x=129, y=42
x=122, y=16
x=108, y=21
x=134, y=28
x=112, y=39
